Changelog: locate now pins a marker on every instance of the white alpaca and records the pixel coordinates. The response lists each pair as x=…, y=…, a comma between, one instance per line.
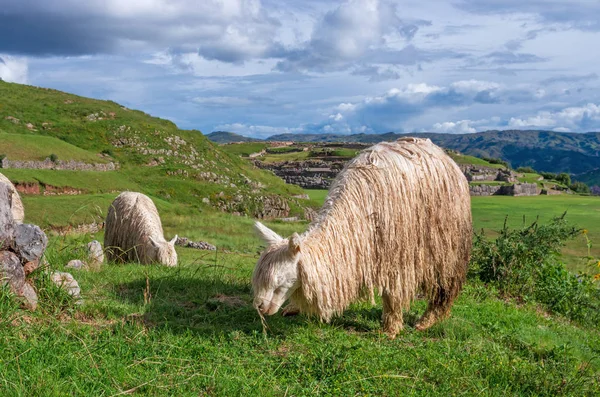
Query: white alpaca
x=133, y=232
x=397, y=219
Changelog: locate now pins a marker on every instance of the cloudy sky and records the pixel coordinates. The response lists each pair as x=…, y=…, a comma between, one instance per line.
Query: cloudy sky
x=264, y=67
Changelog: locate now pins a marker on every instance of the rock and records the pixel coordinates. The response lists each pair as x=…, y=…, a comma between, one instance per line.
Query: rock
x=11, y=271
x=30, y=267
x=29, y=298
x=16, y=205
x=67, y=282
x=76, y=264
x=95, y=253
x=200, y=245
x=6, y=217
x=206, y=200
x=30, y=242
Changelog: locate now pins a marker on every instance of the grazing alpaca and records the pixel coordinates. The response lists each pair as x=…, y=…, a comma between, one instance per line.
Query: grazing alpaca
x=397, y=218
x=17, y=209
x=133, y=232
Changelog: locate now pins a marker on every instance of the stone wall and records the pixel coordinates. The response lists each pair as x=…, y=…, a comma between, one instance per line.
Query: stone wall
x=517, y=189
x=69, y=165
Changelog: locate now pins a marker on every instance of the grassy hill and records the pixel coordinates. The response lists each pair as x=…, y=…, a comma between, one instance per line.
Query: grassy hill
x=155, y=157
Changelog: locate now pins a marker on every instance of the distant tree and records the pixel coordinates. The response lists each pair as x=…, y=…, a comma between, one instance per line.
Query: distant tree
x=580, y=187
x=563, y=178
x=548, y=175
x=527, y=170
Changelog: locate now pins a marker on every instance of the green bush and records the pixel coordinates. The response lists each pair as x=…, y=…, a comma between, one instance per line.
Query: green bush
x=580, y=187
x=493, y=160
x=53, y=158
x=527, y=170
x=524, y=263
x=563, y=178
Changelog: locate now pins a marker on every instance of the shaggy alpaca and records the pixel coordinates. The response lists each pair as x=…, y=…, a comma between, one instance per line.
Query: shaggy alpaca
x=17, y=205
x=133, y=232
x=397, y=218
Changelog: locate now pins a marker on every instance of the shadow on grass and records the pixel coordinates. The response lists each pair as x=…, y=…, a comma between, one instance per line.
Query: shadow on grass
x=204, y=304
x=211, y=304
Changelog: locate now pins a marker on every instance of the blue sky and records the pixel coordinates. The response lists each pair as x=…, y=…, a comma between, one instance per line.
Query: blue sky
x=306, y=66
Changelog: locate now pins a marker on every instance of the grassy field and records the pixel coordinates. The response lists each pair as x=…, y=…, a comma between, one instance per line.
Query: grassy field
x=191, y=330
x=33, y=147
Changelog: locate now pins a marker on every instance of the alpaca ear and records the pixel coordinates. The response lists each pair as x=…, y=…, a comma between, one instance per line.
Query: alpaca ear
x=153, y=242
x=295, y=243
x=268, y=235
x=173, y=240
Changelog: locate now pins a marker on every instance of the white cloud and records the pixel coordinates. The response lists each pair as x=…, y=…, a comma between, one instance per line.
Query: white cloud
x=459, y=127
x=574, y=118
x=14, y=69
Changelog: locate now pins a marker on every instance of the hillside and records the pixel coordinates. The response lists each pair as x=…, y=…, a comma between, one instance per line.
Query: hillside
x=550, y=151
x=228, y=137
x=151, y=155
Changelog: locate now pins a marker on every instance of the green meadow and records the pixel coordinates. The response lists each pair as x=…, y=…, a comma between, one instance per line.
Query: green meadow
x=191, y=330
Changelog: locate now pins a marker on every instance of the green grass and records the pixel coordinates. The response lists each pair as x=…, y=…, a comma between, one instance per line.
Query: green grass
x=33, y=147
x=87, y=181
x=244, y=149
x=466, y=159
x=530, y=178
x=191, y=330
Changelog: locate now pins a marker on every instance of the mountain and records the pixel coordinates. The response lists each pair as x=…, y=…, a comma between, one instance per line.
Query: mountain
x=575, y=153
x=229, y=137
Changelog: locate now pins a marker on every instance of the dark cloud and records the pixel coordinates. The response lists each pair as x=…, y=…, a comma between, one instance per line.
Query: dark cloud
x=64, y=28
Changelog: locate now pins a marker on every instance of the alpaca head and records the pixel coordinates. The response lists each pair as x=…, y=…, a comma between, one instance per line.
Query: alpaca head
x=165, y=251
x=275, y=276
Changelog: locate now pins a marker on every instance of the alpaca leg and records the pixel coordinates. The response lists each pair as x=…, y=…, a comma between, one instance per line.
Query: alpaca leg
x=438, y=307
x=392, y=316
x=290, y=310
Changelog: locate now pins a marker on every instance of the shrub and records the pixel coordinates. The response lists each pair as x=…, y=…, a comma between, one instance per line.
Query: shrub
x=580, y=187
x=524, y=263
x=493, y=160
x=53, y=158
x=108, y=152
x=527, y=170
x=563, y=178
x=548, y=176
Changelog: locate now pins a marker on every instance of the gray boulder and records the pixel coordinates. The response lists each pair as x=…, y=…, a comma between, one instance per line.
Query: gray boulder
x=30, y=242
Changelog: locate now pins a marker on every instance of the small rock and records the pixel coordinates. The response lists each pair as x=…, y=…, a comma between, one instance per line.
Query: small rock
x=67, y=282
x=206, y=200
x=76, y=264
x=29, y=298
x=95, y=253
x=30, y=242
x=11, y=271
x=30, y=267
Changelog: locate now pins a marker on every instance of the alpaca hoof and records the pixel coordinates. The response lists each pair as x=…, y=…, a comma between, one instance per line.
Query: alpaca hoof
x=290, y=310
